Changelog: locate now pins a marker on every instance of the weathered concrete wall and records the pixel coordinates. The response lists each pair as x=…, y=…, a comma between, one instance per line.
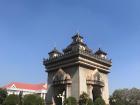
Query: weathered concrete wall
x=74, y=73
x=105, y=91
x=50, y=93
x=79, y=76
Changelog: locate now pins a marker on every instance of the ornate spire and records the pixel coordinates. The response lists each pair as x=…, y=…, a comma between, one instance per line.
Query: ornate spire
x=54, y=53
x=77, y=38
x=101, y=53
x=77, y=43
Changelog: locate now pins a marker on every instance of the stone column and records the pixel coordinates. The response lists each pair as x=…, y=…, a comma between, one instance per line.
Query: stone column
x=89, y=91
x=68, y=91
x=49, y=96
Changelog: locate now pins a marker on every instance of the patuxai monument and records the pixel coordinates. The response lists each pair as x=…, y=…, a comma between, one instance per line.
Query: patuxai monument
x=75, y=70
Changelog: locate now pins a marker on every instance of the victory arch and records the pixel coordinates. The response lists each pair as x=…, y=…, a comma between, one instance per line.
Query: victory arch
x=75, y=70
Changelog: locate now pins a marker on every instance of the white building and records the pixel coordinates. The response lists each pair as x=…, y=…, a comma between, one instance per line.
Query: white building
x=25, y=88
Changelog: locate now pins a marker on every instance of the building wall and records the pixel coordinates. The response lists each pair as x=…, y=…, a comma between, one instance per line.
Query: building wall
x=50, y=92
x=79, y=76
x=105, y=91
x=82, y=80
x=84, y=73
x=74, y=73
x=17, y=91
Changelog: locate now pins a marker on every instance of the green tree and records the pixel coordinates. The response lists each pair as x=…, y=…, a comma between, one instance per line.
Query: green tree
x=99, y=101
x=90, y=102
x=12, y=100
x=85, y=100
x=33, y=99
x=125, y=97
x=70, y=101
x=116, y=101
x=40, y=101
x=3, y=95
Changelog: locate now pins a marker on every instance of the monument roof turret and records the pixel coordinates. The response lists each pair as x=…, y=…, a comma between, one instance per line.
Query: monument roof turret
x=77, y=43
x=55, y=51
x=77, y=52
x=77, y=35
x=99, y=51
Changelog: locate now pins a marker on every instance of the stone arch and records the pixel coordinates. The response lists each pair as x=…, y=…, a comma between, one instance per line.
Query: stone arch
x=62, y=85
x=96, y=75
x=61, y=76
x=98, y=84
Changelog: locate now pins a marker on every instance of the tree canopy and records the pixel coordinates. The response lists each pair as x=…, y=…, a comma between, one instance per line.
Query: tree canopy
x=85, y=99
x=125, y=97
x=70, y=101
x=99, y=101
x=12, y=100
x=90, y=102
x=3, y=95
x=33, y=99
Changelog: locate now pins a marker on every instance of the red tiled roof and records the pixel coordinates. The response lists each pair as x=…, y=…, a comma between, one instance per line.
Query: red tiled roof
x=27, y=86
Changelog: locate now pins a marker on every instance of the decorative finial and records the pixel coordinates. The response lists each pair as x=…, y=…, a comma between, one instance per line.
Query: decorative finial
x=100, y=46
x=54, y=49
x=78, y=35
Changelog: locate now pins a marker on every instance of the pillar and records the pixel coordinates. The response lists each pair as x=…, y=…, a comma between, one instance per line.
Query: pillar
x=89, y=91
x=68, y=91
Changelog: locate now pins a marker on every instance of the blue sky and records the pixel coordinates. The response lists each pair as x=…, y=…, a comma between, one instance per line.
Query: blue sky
x=29, y=29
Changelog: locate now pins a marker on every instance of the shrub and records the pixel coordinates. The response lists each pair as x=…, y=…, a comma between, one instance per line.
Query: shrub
x=11, y=100
x=33, y=99
x=3, y=95
x=99, y=101
x=90, y=102
x=125, y=97
x=85, y=100
x=70, y=101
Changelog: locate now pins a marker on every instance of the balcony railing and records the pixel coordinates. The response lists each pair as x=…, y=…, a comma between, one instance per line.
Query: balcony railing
x=95, y=82
x=80, y=52
x=62, y=82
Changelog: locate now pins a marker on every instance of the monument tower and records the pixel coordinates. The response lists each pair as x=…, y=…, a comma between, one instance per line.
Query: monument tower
x=78, y=69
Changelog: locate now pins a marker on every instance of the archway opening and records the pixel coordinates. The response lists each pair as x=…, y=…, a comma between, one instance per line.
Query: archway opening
x=60, y=95
x=96, y=92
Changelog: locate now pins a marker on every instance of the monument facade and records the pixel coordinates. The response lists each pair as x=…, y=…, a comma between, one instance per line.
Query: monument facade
x=78, y=69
